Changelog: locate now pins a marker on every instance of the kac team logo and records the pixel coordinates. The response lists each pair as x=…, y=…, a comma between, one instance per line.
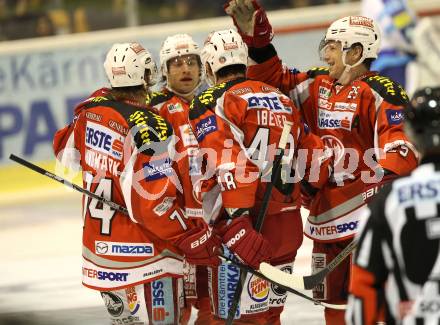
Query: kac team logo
x=336, y=145
x=395, y=117
x=258, y=289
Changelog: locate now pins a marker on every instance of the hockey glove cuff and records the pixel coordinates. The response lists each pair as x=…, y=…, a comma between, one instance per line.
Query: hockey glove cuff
x=247, y=244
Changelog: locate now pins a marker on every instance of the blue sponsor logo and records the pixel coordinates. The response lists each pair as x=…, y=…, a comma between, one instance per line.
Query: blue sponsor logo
x=135, y=250
x=104, y=140
x=99, y=139
x=331, y=230
x=330, y=123
x=157, y=169
x=103, y=275
x=419, y=191
x=206, y=126
x=271, y=102
x=228, y=278
x=395, y=117
x=162, y=297
x=347, y=226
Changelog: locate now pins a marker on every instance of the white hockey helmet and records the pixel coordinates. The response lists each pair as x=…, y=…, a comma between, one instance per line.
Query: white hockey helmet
x=224, y=48
x=126, y=63
x=356, y=29
x=174, y=46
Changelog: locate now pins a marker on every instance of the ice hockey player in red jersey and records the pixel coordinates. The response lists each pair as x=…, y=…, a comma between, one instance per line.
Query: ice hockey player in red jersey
x=125, y=152
x=182, y=72
x=355, y=111
x=396, y=264
x=238, y=123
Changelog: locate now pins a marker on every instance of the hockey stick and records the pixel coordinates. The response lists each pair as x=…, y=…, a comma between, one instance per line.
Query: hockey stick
x=286, y=288
x=64, y=181
x=261, y=215
x=305, y=282
x=311, y=281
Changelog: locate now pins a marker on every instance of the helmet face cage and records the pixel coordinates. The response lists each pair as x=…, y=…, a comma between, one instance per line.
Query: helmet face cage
x=351, y=30
x=127, y=65
x=224, y=48
x=174, y=46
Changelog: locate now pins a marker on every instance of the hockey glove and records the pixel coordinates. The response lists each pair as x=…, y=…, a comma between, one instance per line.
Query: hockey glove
x=200, y=246
x=242, y=239
x=308, y=192
x=251, y=22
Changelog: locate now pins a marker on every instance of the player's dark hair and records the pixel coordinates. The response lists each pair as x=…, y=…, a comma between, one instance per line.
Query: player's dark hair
x=137, y=94
x=368, y=61
x=231, y=70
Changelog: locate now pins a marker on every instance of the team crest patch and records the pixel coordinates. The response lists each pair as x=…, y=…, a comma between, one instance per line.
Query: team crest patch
x=394, y=117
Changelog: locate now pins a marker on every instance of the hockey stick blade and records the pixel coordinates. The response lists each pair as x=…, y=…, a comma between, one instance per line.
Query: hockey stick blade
x=287, y=288
x=305, y=282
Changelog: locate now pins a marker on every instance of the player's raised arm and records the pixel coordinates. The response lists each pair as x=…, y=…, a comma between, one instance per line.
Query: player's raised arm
x=251, y=21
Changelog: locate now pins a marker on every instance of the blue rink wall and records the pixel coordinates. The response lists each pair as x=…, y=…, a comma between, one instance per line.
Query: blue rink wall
x=41, y=80
x=38, y=91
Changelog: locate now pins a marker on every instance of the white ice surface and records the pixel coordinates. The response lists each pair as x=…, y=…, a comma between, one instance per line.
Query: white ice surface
x=40, y=276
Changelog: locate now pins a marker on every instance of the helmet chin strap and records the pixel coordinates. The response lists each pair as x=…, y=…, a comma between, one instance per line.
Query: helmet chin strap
x=211, y=78
x=345, y=77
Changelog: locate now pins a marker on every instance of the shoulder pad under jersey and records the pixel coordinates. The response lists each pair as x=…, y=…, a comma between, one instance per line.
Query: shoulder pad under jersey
x=159, y=97
x=151, y=131
x=388, y=89
x=98, y=99
x=314, y=72
x=147, y=128
x=207, y=100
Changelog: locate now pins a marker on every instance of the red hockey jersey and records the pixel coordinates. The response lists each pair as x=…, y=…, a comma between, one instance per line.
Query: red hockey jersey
x=357, y=121
x=238, y=125
x=123, y=151
x=176, y=111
